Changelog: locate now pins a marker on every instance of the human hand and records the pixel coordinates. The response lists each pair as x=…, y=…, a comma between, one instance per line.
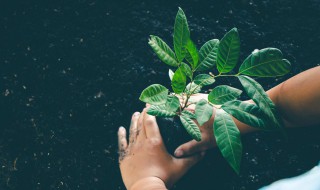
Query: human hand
x=145, y=157
x=208, y=140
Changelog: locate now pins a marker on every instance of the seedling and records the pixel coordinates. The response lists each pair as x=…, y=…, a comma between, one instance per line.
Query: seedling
x=219, y=57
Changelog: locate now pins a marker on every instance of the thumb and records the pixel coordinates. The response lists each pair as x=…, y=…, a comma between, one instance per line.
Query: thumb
x=189, y=148
x=186, y=163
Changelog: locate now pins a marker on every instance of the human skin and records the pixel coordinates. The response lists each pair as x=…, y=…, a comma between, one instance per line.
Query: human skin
x=297, y=100
x=144, y=162
x=146, y=165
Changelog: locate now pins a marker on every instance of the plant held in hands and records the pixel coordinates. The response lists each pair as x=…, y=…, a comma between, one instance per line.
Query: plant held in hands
x=220, y=57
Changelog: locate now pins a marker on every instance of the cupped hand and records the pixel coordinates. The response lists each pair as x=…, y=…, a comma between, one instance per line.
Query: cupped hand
x=208, y=140
x=145, y=156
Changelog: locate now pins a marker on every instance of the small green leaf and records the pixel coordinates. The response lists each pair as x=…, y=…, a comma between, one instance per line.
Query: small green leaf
x=181, y=35
x=191, y=127
x=228, y=51
x=189, y=114
x=203, y=111
x=186, y=69
x=223, y=93
x=155, y=94
x=171, y=73
x=160, y=111
x=179, y=81
x=163, y=51
x=192, y=53
x=193, y=88
x=208, y=55
x=262, y=100
x=267, y=62
x=172, y=103
x=204, y=79
x=228, y=139
x=245, y=112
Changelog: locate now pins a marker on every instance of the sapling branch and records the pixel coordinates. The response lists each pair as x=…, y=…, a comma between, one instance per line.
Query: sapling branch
x=221, y=55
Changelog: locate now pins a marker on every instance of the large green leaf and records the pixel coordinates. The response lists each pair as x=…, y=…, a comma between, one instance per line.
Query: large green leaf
x=186, y=69
x=181, y=35
x=262, y=100
x=192, y=55
x=245, y=112
x=179, y=81
x=208, y=55
x=228, y=139
x=228, y=51
x=155, y=94
x=191, y=127
x=168, y=109
x=223, y=93
x=203, y=111
x=204, y=79
x=172, y=103
x=193, y=88
x=163, y=51
x=188, y=114
x=267, y=62
x=160, y=111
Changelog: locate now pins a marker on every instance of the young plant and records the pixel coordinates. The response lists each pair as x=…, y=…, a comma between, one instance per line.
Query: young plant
x=220, y=57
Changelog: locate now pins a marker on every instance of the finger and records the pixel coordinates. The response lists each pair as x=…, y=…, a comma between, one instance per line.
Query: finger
x=133, y=127
x=189, y=148
x=122, y=142
x=151, y=126
x=148, y=105
x=184, y=164
x=141, y=132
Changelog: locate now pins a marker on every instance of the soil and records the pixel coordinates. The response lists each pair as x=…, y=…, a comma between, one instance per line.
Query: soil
x=71, y=73
x=172, y=132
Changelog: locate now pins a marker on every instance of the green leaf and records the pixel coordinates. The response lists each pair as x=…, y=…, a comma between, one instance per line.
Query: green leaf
x=186, y=69
x=203, y=111
x=204, y=79
x=192, y=53
x=223, y=93
x=191, y=127
x=168, y=109
x=171, y=73
x=163, y=51
x=189, y=114
x=208, y=55
x=172, y=103
x=228, y=139
x=228, y=51
x=181, y=35
x=179, y=81
x=262, y=100
x=155, y=94
x=160, y=111
x=193, y=88
x=267, y=62
x=245, y=112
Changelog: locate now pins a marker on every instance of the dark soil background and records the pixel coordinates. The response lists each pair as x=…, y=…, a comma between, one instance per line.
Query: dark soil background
x=71, y=73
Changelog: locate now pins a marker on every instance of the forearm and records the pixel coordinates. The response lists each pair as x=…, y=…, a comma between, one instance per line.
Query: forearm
x=150, y=183
x=297, y=99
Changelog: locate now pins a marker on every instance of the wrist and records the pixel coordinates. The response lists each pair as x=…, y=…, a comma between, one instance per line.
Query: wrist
x=148, y=183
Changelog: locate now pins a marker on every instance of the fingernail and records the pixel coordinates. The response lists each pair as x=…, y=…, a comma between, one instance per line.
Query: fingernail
x=136, y=114
x=178, y=153
x=121, y=129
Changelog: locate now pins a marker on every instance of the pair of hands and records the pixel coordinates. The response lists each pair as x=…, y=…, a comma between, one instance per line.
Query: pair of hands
x=145, y=162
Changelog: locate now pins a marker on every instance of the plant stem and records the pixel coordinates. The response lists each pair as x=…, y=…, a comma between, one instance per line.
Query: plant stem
x=225, y=75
